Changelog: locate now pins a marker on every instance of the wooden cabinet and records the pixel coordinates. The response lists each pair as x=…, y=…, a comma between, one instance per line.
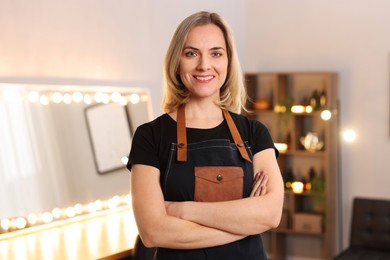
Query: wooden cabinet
x=296, y=108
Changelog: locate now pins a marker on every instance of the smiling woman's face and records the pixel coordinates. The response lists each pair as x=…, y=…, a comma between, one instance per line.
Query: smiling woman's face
x=204, y=62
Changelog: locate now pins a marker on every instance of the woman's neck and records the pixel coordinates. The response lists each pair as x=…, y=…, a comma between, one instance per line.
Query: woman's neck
x=202, y=116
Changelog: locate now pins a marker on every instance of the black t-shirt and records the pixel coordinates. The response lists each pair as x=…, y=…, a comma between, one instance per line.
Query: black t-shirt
x=152, y=140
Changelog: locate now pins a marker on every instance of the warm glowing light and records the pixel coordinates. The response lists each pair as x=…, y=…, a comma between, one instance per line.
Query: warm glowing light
x=308, y=109
x=297, y=109
x=127, y=199
x=349, y=135
x=113, y=202
x=44, y=100
x=32, y=219
x=12, y=224
x=87, y=99
x=105, y=99
x=70, y=212
x=57, y=97
x=5, y=224
x=98, y=205
x=134, y=99
x=99, y=97
x=20, y=223
x=297, y=187
x=326, y=115
x=282, y=147
x=78, y=208
x=123, y=101
x=91, y=207
x=67, y=98
x=77, y=97
x=33, y=96
x=47, y=217
x=56, y=213
x=279, y=109
x=116, y=97
x=124, y=160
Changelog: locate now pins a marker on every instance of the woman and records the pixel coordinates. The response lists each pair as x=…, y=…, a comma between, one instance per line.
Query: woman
x=174, y=212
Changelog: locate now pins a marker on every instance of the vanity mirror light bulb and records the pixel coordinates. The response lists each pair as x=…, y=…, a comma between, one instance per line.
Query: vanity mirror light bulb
x=32, y=218
x=127, y=199
x=44, y=100
x=116, y=96
x=91, y=207
x=56, y=213
x=123, y=101
x=47, y=217
x=113, y=202
x=20, y=223
x=78, y=208
x=5, y=224
x=98, y=97
x=77, y=97
x=105, y=99
x=70, y=212
x=134, y=98
x=87, y=99
x=67, y=98
x=33, y=96
x=57, y=97
x=98, y=205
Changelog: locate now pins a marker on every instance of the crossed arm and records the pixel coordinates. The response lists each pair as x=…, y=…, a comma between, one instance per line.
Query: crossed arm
x=189, y=225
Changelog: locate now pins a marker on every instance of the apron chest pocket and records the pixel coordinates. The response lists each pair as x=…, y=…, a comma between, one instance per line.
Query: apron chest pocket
x=218, y=183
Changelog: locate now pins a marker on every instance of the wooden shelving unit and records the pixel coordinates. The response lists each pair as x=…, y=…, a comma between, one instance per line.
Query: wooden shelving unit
x=310, y=222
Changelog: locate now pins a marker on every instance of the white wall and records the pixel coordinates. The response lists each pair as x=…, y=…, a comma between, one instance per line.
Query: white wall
x=125, y=41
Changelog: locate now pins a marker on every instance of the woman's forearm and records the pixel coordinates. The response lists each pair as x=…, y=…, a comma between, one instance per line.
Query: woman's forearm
x=181, y=234
x=247, y=216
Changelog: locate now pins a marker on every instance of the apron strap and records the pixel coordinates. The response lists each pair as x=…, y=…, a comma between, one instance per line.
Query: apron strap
x=236, y=136
x=182, y=135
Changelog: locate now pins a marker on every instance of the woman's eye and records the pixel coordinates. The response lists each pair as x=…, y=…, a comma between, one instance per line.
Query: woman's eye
x=217, y=54
x=190, y=54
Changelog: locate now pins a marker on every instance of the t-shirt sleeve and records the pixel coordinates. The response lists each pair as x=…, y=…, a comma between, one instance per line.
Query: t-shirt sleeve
x=262, y=138
x=143, y=148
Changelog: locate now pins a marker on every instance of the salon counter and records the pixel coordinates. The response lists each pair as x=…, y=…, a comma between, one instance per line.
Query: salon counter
x=104, y=235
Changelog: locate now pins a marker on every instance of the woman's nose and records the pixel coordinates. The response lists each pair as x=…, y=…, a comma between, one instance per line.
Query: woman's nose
x=204, y=63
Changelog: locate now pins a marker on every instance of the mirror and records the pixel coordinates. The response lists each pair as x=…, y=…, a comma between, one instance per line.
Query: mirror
x=53, y=138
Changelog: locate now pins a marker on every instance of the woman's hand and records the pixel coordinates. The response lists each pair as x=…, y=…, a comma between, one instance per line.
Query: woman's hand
x=259, y=186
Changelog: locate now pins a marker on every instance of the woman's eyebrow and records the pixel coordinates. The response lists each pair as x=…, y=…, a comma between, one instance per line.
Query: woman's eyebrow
x=196, y=49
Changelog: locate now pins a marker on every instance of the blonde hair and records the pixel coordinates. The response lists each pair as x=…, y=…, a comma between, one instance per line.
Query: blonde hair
x=232, y=93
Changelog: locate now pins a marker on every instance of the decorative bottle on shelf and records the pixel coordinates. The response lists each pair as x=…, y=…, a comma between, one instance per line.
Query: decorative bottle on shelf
x=323, y=99
x=288, y=179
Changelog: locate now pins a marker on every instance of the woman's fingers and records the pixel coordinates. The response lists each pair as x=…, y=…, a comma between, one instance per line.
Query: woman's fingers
x=259, y=184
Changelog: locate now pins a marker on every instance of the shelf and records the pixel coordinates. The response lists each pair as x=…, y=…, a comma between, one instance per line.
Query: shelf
x=294, y=232
x=304, y=153
x=314, y=210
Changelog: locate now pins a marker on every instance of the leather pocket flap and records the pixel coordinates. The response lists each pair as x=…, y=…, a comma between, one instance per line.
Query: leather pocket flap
x=218, y=174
